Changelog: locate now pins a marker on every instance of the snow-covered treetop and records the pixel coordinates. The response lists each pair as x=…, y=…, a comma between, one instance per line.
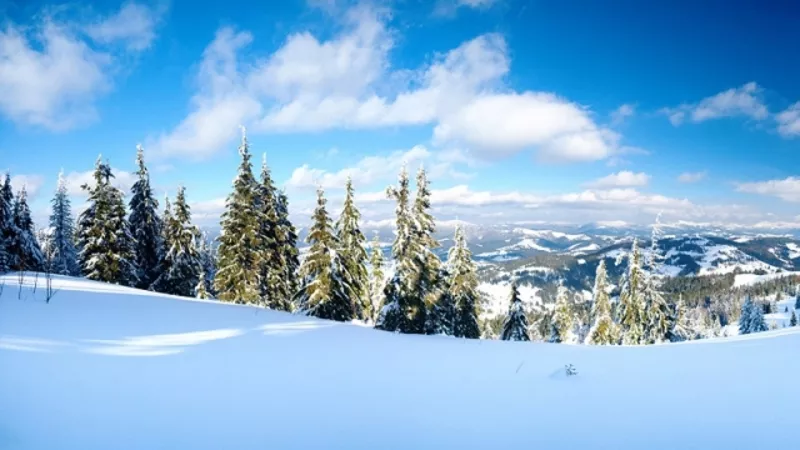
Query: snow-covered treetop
x=243, y=147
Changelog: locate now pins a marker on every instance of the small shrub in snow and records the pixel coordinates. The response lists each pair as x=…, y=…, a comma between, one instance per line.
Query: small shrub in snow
x=570, y=370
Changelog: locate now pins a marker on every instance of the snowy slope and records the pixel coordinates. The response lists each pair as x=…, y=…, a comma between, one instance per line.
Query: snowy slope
x=103, y=367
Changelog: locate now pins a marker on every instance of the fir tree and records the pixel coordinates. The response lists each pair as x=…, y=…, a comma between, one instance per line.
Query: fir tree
x=681, y=329
x=325, y=291
x=239, y=253
x=25, y=250
x=105, y=240
x=272, y=290
x=631, y=308
x=656, y=311
x=442, y=315
x=208, y=262
x=429, y=287
x=793, y=320
x=181, y=266
x=563, y=317
x=515, y=327
x=146, y=226
x=377, y=281
x=353, y=253
x=200, y=291
x=8, y=231
x=62, y=255
x=752, y=318
x=604, y=330
x=288, y=250
x=403, y=309
x=463, y=287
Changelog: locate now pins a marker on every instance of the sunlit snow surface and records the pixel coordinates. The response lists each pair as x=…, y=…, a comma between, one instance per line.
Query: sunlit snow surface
x=103, y=367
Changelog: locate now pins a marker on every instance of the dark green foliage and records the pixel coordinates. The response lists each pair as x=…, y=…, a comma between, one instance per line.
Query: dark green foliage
x=181, y=266
x=146, y=226
x=8, y=230
x=353, y=253
x=61, y=253
x=515, y=327
x=288, y=250
x=272, y=289
x=24, y=248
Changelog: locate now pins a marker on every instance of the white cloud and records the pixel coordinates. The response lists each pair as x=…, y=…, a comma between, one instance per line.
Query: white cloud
x=619, y=115
x=134, y=25
x=31, y=183
x=789, y=121
x=624, y=178
x=75, y=180
x=50, y=75
x=787, y=189
x=692, y=177
x=741, y=101
x=347, y=82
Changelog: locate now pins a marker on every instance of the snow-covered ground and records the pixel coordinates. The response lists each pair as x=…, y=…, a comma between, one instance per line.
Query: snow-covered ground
x=103, y=367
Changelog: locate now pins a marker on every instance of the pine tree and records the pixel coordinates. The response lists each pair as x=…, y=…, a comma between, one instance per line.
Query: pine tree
x=208, y=262
x=403, y=309
x=200, y=290
x=377, y=281
x=353, y=253
x=146, y=226
x=604, y=330
x=563, y=317
x=239, y=253
x=181, y=265
x=325, y=291
x=515, y=327
x=681, y=329
x=105, y=240
x=25, y=250
x=463, y=287
x=8, y=230
x=752, y=318
x=430, y=286
x=793, y=320
x=288, y=250
x=631, y=308
x=442, y=313
x=656, y=310
x=62, y=255
x=272, y=285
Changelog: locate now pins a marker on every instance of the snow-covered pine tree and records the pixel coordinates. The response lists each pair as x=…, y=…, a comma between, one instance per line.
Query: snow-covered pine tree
x=681, y=328
x=146, y=226
x=515, y=327
x=442, y=313
x=63, y=257
x=25, y=249
x=353, y=253
x=463, y=287
x=271, y=234
x=181, y=265
x=752, y=318
x=604, y=330
x=656, y=310
x=104, y=238
x=631, y=308
x=325, y=291
x=8, y=232
x=288, y=250
x=239, y=253
x=403, y=309
x=377, y=281
x=793, y=320
x=563, y=317
x=430, y=285
x=200, y=291
x=208, y=262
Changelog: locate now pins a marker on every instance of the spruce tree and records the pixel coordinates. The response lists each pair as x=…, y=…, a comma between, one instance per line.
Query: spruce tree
x=657, y=313
x=239, y=253
x=631, y=308
x=146, y=226
x=288, y=250
x=604, y=330
x=377, y=281
x=752, y=318
x=403, y=309
x=7, y=228
x=200, y=291
x=515, y=327
x=793, y=320
x=181, y=265
x=208, y=262
x=273, y=289
x=430, y=286
x=681, y=328
x=325, y=291
x=463, y=287
x=563, y=317
x=353, y=253
x=104, y=237
x=25, y=250
x=62, y=255
x=442, y=313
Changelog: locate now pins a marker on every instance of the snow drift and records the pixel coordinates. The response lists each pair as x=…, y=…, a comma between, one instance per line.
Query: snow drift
x=104, y=367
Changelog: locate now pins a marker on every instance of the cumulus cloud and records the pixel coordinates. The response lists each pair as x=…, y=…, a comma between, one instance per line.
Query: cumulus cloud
x=31, y=183
x=50, y=74
x=624, y=178
x=787, y=189
x=133, y=25
x=621, y=114
x=742, y=101
x=789, y=121
x=692, y=177
x=311, y=85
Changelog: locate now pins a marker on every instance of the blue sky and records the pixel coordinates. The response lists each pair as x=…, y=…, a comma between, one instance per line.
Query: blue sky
x=569, y=111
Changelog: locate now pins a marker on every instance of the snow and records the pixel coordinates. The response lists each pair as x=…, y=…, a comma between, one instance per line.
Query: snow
x=794, y=250
x=748, y=279
x=104, y=367
x=550, y=234
x=577, y=249
x=526, y=243
x=497, y=296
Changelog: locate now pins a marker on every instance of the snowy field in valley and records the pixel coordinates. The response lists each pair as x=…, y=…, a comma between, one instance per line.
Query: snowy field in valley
x=105, y=367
